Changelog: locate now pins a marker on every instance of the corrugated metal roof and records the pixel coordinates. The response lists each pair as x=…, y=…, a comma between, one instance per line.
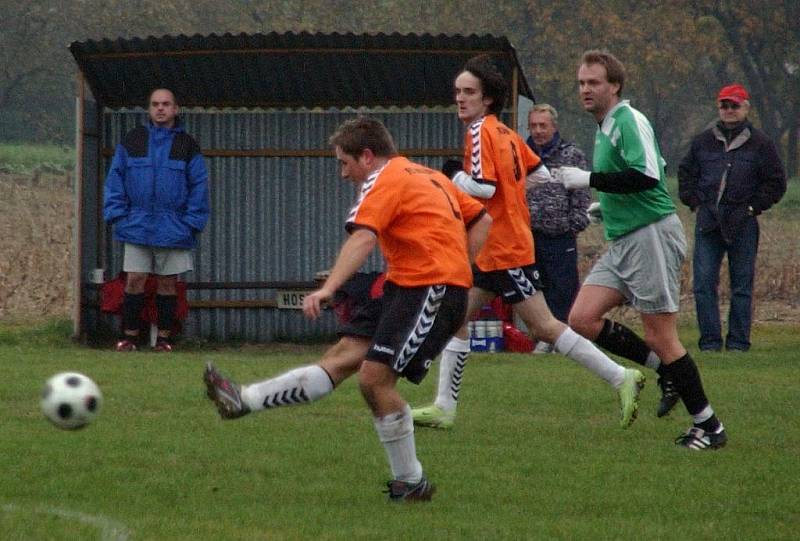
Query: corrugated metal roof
x=288, y=70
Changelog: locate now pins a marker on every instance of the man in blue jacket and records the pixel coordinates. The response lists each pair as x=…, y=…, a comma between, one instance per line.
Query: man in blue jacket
x=731, y=174
x=156, y=197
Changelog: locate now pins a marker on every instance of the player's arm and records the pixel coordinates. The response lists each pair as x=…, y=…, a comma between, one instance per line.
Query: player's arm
x=474, y=186
x=352, y=255
x=476, y=220
x=630, y=180
x=477, y=233
x=538, y=174
x=535, y=169
x=641, y=156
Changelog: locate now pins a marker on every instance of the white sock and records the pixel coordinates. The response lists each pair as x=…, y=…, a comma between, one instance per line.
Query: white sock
x=579, y=349
x=396, y=432
x=451, y=370
x=298, y=386
x=652, y=362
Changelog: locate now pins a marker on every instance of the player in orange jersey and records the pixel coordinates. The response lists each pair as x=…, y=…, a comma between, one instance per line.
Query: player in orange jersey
x=429, y=233
x=499, y=167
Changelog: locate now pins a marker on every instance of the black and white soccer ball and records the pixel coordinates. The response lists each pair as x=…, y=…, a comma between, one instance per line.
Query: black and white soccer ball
x=71, y=400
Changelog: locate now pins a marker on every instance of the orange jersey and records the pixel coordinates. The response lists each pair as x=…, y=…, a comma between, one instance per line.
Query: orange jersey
x=498, y=155
x=421, y=222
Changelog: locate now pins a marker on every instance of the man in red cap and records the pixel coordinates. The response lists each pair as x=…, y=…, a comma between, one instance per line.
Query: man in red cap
x=731, y=174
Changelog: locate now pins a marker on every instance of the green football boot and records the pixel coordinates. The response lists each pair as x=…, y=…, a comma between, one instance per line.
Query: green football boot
x=433, y=417
x=629, y=396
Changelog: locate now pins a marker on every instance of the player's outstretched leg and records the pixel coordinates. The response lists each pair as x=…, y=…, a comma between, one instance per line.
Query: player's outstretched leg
x=442, y=413
x=298, y=386
x=628, y=382
x=225, y=393
x=629, y=396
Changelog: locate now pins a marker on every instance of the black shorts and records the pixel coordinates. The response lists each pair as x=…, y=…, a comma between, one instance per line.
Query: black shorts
x=512, y=285
x=416, y=324
x=358, y=305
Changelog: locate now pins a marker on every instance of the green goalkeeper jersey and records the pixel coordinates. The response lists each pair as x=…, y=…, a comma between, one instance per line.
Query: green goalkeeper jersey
x=623, y=140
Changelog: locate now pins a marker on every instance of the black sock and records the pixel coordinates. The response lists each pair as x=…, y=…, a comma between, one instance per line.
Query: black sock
x=686, y=378
x=711, y=424
x=620, y=340
x=166, y=306
x=132, y=304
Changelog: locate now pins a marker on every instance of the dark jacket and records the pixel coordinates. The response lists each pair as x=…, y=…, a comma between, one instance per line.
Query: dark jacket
x=721, y=181
x=156, y=192
x=554, y=210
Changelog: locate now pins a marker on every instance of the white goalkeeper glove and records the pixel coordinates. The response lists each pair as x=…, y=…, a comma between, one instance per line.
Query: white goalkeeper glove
x=574, y=178
x=594, y=213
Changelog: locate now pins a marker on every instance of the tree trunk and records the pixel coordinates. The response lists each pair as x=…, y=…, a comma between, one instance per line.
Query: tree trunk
x=791, y=146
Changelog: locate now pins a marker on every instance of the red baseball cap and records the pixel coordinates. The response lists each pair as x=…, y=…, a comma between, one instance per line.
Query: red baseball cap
x=735, y=93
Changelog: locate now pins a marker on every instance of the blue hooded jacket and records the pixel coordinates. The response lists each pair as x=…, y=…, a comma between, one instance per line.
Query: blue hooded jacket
x=156, y=192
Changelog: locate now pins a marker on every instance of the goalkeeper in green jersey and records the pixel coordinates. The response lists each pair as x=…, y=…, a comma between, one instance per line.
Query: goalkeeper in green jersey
x=647, y=246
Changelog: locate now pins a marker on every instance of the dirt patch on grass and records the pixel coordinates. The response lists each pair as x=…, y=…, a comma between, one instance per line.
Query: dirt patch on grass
x=36, y=221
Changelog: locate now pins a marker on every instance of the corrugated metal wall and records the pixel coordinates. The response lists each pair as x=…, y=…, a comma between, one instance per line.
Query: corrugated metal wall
x=274, y=218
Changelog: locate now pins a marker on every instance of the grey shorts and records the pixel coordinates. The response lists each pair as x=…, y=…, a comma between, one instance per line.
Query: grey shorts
x=162, y=261
x=645, y=266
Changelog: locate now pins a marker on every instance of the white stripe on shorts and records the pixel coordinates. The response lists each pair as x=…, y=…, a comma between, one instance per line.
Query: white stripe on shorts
x=421, y=329
x=523, y=284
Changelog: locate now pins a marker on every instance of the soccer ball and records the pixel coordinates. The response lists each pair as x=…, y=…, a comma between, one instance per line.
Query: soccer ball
x=71, y=400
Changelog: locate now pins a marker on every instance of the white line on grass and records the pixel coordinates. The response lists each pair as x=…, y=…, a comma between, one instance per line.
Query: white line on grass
x=110, y=530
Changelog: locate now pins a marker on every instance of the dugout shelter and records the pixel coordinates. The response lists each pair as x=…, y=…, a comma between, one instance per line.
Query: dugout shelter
x=262, y=107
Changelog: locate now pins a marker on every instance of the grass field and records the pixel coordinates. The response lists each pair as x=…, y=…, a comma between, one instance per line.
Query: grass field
x=536, y=453
x=27, y=158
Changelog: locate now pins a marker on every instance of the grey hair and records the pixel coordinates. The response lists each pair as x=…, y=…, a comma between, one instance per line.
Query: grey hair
x=545, y=108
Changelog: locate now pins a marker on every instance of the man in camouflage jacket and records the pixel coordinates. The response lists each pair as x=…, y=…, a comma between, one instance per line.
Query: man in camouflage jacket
x=557, y=214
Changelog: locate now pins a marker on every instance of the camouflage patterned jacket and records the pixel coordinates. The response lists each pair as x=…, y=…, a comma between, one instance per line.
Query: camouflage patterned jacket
x=555, y=210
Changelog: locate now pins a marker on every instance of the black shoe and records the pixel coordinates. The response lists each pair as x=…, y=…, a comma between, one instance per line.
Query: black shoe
x=669, y=396
x=698, y=439
x=736, y=347
x=400, y=491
